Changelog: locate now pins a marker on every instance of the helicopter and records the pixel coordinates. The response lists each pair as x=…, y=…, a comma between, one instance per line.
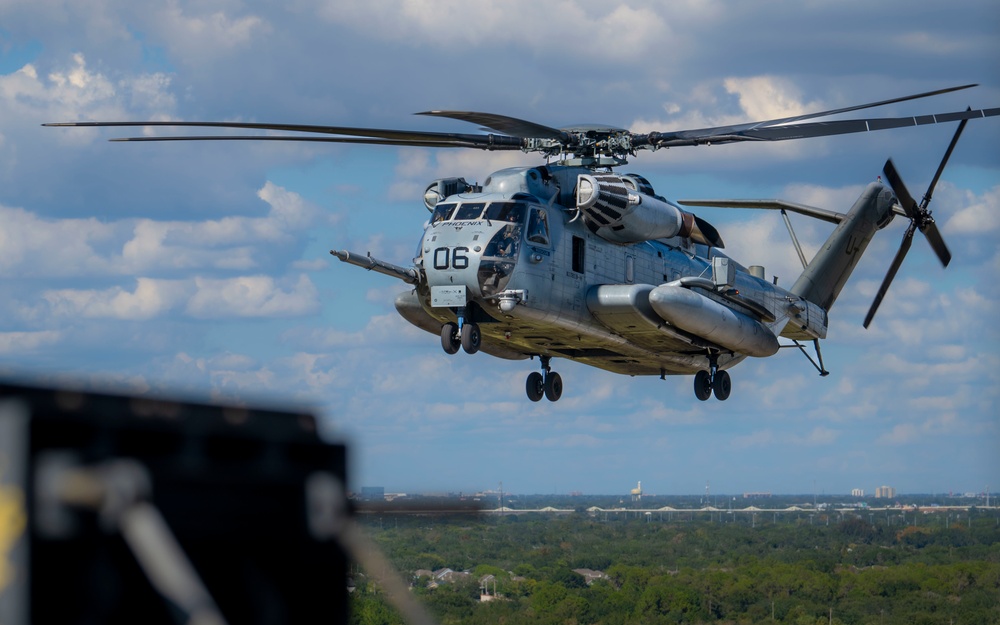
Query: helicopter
x=572, y=259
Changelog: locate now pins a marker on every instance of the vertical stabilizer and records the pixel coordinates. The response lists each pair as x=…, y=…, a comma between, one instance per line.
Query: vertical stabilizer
x=825, y=276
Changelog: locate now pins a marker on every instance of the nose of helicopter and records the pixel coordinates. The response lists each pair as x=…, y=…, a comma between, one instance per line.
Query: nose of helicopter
x=480, y=257
x=451, y=257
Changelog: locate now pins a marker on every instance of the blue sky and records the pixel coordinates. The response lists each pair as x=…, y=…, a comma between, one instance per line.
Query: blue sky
x=203, y=269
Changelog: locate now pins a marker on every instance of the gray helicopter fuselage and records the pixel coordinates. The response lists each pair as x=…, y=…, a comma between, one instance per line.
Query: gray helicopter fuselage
x=517, y=259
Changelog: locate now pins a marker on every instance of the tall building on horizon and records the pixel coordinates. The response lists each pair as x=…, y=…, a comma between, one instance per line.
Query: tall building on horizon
x=885, y=492
x=858, y=492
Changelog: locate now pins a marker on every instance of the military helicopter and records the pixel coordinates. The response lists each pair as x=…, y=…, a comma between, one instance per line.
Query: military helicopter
x=571, y=259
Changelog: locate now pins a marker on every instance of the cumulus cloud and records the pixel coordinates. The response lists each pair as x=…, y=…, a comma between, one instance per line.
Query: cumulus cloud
x=253, y=296
x=75, y=92
x=939, y=425
x=151, y=298
x=14, y=343
x=587, y=29
x=203, y=298
x=769, y=97
x=980, y=215
x=31, y=245
x=199, y=32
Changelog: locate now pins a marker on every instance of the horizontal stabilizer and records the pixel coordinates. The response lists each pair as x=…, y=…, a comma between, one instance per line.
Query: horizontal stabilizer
x=811, y=211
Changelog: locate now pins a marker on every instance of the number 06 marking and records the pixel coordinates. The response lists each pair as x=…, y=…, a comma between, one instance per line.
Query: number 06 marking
x=453, y=258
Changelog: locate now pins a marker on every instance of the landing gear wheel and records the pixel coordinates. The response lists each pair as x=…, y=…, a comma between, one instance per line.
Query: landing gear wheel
x=553, y=386
x=722, y=385
x=702, y=385
x=471, y=338
x=535, y=386
x=449, y=338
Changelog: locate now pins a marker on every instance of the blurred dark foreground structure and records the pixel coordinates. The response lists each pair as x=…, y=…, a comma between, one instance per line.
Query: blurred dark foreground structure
x=118, y=509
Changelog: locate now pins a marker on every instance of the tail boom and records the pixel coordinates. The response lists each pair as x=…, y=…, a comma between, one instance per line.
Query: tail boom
x=825, y=276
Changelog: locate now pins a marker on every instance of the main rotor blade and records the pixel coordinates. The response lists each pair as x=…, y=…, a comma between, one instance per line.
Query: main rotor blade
x=353, y=140
x=904, y=247
x=502, y=123
x=740, y=128
x=439, y=139
x=807, y=130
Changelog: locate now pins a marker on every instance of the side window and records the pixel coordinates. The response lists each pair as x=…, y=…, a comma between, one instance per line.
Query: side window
x=538, y=227
x=579, y=247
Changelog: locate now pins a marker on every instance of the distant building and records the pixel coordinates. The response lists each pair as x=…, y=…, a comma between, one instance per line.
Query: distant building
x=484, y=588
x=637, y=492
x=885, y=492
x=373, y=493
x=591, y=576
x=858, y=492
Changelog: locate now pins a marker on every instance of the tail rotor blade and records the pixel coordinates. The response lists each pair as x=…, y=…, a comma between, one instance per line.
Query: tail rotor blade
x=902, y=194
x=934, y=238
x=944, y=161
x=893, y=268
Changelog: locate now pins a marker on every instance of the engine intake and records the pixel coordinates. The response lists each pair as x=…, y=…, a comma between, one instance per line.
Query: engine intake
x=615, y=211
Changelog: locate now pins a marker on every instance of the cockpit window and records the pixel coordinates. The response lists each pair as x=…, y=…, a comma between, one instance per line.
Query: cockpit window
x=470, y=210
x=512, y=212
x=538, y=227
x=442, y=212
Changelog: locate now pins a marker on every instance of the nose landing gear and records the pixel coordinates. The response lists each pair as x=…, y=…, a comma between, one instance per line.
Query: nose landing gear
x=546, y=383
x=464, y=334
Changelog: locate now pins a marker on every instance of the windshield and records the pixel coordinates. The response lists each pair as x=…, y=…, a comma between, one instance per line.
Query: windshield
x=511, y=212
x=506, y=211
x=470, y=210
x=442, y=212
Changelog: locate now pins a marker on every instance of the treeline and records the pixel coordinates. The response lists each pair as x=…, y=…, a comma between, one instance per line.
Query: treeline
x=819, y=570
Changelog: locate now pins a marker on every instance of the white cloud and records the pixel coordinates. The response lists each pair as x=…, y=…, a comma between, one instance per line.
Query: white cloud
x=591, y=30
x=252, y=296
x=757, y=98
x=151, y=298
x=940, y=425
x=980, y=214
x=31, y=245
x=196, y=33
x=203, y=298
x=75, y=92
x=769, y=97
x=13, y=343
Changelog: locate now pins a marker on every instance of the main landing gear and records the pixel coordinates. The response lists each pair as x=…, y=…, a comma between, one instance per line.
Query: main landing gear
x=713, y=381
x=546, y=383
